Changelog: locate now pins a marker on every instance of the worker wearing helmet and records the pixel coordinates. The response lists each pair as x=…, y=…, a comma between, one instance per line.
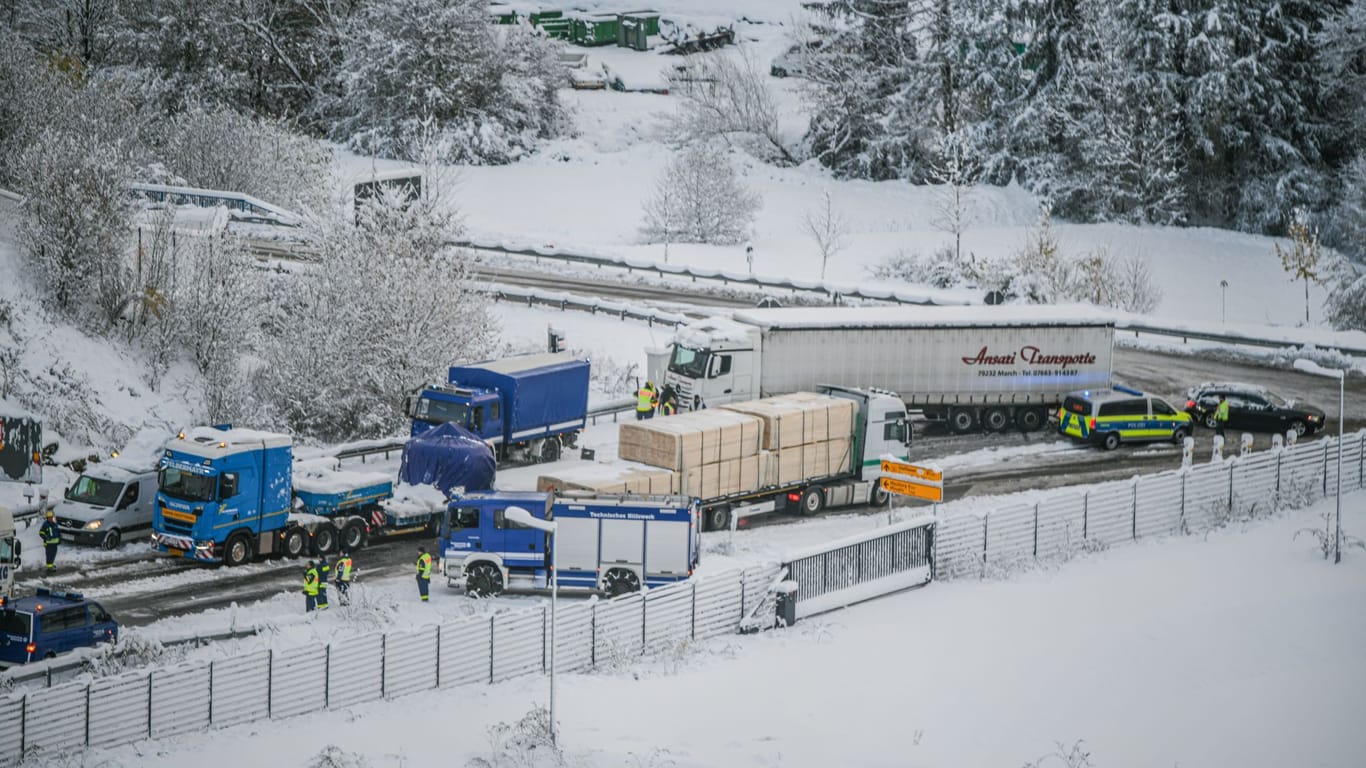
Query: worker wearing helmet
x=51, y=538
x=310, y=586
x=344, y=569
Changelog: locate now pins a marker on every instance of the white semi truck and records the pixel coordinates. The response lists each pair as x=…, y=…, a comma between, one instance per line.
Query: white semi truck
x=971, y=367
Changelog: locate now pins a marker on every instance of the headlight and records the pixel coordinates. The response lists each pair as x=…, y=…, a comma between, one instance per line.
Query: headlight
x=1314, y=417
x=94, y=525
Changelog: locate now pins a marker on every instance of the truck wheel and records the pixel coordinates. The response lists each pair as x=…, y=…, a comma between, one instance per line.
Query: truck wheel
x=111, y=540
x=620, y=581
x=962, y=420
x=238, y=550
x=1030, y=419
x=295, y=545
x=996, y=419
x=550, y=450
x=718, y=518
x=325, y=540
x=1111, y=441
x=813, y=499
x=353, y=536
x=879, y=496
x=483, y=580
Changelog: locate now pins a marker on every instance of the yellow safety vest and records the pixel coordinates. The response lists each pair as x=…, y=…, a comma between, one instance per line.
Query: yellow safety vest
x=424, y=565
x=1221, y=413
x=344, y=569
x=311, y=582
x=645, y=399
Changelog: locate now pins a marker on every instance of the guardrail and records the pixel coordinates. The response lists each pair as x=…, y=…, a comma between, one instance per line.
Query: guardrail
x=562, y=301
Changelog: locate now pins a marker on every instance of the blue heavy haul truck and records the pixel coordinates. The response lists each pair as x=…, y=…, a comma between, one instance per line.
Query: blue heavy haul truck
x=229, y=496
x=528, y=407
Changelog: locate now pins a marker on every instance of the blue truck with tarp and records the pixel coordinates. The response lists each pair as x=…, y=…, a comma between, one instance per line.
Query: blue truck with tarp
x=233, y=495
x=530, y=408
x=608, y=544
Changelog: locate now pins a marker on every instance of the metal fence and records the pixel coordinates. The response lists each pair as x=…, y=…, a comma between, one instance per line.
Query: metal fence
x=273, y=684
x=861, y=567
x=967, y=541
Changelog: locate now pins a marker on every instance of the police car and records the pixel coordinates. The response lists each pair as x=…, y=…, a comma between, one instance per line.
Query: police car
x=1121, y=415
x=50, y=622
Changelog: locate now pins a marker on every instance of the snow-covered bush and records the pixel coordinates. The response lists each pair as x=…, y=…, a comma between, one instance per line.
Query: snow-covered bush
x=12, y=342
x=388, y=308
x=216, y=148
x=423, y=72
x=700, y=199
x=333, y=756
x=727, y=99
x=523, y=744
x=76, y=219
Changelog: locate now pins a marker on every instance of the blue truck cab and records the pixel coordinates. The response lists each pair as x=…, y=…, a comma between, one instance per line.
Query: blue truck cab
x=222, y=493
x=528, y=407
x=48, y=623
x=609, y=544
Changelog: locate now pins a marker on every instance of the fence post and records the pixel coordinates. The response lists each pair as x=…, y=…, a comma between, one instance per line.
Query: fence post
x=1279, y=458
x=1361, y=462
x=742, y=595
x=149, y=702
x=270, y=683
x=1133, y=523
x=1325, y=467
x=986, y=523
x=1036, y=530
x=1181, y=524
x=692, y=622
x=492, y=618
x=327, y=677
x=87, y=714
x=23, y=725
x=210, y=692
x=383, y=665
x=438, y=655
x=1230, y=490
x=593, y=636
x=644, y=609
x=1085, y=515
x=545, y=633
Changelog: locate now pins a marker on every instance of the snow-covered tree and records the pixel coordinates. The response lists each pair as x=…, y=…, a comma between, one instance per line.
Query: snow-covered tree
x=76, y=219
x=216, y=308
x=422, y=71
x=223, y=149
x=1346, y=304
x=956, y=172
x=705, y=201
x=727, y=100
x=827, y=228
x=389, y=308
x=1040, y=272
x=1302, y=259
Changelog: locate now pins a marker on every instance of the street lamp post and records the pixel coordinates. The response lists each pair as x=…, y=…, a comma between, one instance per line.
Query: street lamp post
x=1310, y=367
x=523, y=517
x=1223, y=294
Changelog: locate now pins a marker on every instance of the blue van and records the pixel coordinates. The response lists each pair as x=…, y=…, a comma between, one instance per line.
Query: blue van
x=47, y=623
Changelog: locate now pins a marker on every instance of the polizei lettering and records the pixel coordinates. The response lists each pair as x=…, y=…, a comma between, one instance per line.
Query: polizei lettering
x=1031, y=355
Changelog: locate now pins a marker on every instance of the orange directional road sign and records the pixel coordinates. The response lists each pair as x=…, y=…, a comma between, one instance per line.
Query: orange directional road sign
x=911, y=470
x=912, y=489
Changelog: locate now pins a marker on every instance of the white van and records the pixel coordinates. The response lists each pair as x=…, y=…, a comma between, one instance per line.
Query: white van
x=107, y=504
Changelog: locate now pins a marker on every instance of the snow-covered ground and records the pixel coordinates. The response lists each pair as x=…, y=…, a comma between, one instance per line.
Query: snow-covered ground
x=1237, y=648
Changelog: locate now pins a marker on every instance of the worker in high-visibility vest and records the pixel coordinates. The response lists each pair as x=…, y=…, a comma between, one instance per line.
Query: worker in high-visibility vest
x=646, y=399
x=51, y=539
x=310, y=586
x=1221, y=414
x=424, y=572
x=324, y=571
x=344, y=569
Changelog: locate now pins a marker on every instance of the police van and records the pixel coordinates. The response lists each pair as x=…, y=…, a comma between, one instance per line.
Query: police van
x=48, y=623
x=1122, y=415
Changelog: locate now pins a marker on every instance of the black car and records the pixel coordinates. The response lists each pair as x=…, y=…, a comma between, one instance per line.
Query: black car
x=1252, y=408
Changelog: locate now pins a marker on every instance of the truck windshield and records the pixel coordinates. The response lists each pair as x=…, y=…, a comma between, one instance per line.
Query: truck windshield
x=15, y=623
x=462, y=517
x=6, y=550
x=691, y=363
x=93, y=490
x=440, y=411
x=186, y=485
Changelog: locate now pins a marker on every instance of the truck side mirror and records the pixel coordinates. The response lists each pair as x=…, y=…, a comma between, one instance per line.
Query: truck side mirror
x=18, y=550
x=227, y=487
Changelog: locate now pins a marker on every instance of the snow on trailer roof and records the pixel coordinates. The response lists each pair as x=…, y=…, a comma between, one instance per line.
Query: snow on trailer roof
x=520, y=363
x=927, y=317
x=711, y=330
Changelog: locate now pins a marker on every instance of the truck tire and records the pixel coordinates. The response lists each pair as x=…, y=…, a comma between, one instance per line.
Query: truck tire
x=325, y=540
x=1030, y=419
x=295, y=544
x=996, y=419
x=483, y=580
x=813, y=500
x=238, y=550
x=550, y=450
x=962, y=420
x=620, y=581
x=879, y=496
x=353, y=536
x=718, y=518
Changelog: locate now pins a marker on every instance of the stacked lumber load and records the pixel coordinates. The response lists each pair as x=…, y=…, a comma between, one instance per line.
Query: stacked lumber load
x=620, y=478
x=805, y=435
x=713, y=453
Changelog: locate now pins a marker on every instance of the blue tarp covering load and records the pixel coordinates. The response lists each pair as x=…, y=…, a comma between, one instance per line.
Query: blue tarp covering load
x=447, y=456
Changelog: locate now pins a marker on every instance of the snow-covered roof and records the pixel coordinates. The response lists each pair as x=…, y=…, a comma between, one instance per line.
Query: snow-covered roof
x=903, y=316
x=519, y=363
x=211, y=443
x=703, y=333
x=143, y=451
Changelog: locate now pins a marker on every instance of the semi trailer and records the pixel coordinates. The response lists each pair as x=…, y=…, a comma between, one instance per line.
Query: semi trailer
x=970, y=367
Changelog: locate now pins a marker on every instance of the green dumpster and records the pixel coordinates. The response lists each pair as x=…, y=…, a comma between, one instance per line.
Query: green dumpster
x=631, y=34
x=556, y=28
x=650, y=19
x=598, y=29
x=538, y=16
x=502, y=14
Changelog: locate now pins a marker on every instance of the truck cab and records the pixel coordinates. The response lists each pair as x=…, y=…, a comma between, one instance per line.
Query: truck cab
x=108, y=503
x=219, y=491
x=477, y=410
x=712, y=363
